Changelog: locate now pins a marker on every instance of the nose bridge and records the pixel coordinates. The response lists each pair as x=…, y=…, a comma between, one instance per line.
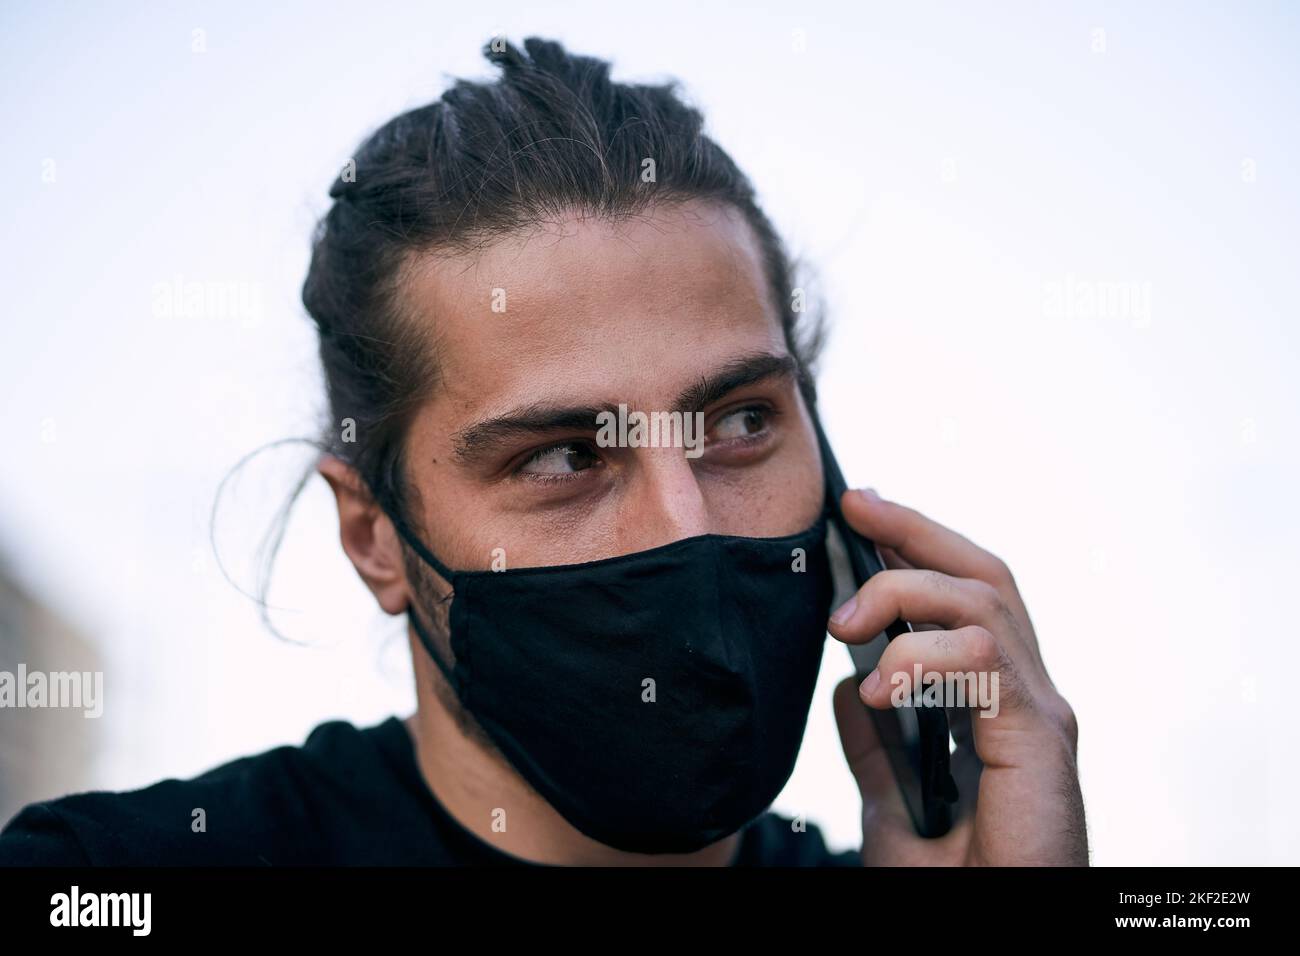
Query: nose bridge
x=666, y=502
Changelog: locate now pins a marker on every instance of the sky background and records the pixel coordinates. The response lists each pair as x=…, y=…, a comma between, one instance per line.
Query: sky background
x=963, y=180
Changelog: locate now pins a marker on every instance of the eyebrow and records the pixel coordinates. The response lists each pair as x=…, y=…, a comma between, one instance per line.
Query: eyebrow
x=539, y=418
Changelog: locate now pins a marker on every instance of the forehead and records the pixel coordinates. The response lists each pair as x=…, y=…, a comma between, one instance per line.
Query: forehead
x=587, y=308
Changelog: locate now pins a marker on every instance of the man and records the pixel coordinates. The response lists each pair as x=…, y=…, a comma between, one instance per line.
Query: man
x=616, y=632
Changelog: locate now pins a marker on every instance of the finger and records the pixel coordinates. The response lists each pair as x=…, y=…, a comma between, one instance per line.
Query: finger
x=975, y=672
x=892, y=558
x=869, y=763
x=924, y=543
x=926, y=597
x=919, y=541
x=888, y=836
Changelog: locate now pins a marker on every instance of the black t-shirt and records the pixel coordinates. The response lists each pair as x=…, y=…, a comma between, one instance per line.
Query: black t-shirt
x=348, y=796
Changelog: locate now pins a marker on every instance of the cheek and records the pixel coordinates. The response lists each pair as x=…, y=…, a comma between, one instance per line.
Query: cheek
x=783, y=496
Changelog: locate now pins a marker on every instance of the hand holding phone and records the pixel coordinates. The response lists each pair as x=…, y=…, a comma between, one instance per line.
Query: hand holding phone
x=916, y=739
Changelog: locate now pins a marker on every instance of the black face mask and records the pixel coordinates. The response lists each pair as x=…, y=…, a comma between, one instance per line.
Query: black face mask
x=656, y=700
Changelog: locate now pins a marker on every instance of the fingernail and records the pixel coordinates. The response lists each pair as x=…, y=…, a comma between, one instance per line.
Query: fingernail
x=870, y=684
x=870, y=493
x=846, y=611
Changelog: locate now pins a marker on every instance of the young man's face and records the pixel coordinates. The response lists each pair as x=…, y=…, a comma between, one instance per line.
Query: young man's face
x=666, y=312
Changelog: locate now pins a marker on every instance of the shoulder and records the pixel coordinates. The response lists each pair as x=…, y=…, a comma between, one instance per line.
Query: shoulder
x=255, y=810
x=776, y=840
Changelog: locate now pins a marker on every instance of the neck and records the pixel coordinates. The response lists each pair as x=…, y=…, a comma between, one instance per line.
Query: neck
x=486, y=796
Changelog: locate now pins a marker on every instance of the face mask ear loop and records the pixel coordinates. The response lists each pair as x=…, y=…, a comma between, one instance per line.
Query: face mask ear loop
x=432, y=649
x=418, y=547
x=428, y=558
x=830, y=507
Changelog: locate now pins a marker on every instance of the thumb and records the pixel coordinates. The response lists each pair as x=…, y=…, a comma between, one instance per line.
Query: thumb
x=883, y=812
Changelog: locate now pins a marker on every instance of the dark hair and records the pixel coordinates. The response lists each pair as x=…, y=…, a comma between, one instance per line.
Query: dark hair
x=552, y=133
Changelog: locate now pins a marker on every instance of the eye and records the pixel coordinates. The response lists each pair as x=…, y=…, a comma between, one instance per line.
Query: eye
x=558, y=461
x=741, y=423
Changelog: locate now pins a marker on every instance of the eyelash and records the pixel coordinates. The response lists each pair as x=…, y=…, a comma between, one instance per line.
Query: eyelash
x=550, y=479
x=769, y=415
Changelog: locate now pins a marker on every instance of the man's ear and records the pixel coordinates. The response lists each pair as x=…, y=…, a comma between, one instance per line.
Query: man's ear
x=368, y=537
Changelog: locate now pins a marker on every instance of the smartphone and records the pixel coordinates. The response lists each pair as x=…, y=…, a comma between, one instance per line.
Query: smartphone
x=916, y=739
